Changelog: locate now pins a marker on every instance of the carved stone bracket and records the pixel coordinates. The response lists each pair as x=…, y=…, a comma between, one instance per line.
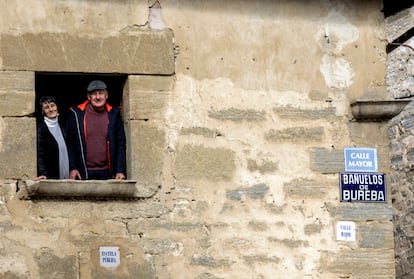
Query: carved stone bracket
x=85, y=189
x=377, y=110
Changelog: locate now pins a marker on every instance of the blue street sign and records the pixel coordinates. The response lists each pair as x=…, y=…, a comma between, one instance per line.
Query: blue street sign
x=362, y=187
x=361, y=160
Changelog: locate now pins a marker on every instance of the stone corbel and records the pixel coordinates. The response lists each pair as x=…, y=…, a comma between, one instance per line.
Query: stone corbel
x=85, y=189
x=377, y=110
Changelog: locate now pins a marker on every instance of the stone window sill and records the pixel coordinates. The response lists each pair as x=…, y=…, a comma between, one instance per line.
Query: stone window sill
x=85, y=189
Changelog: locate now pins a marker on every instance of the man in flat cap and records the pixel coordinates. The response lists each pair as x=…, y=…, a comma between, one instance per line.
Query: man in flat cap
x=97, y=144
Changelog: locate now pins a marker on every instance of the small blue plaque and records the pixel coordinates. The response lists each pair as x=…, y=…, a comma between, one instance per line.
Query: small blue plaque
x=361, y=159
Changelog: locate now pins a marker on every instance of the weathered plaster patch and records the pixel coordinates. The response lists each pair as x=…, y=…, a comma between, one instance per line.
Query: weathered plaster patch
x=156, y=20
x=337, y=72
x=158, y=246
x=335, y=34
x=12, y=263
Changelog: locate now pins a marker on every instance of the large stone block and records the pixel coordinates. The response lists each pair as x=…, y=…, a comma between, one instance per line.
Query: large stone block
x=198, y=162
x=296, y=134
x=361, y=211
x=146, y=150
x=146, y=97
x=150, y=83
x=290, y=112
x=17, y=147
x=51, y=264
x=17, y=103
x=17, y=93
x=360, y=263
x=376, y=235
x=145, y=52
x=305, y=188
x=326, y=161
x=17, y=81
x=372, y=134
x=238, y=115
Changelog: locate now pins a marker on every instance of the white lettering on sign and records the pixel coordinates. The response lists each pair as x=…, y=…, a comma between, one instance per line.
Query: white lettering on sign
x=363, y=195
x=109, y=256
x=365, y=164
x=361, y=156
x=361, y=178
x=345, y=231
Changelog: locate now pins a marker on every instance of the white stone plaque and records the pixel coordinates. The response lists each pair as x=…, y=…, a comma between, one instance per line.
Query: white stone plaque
x=109, y=256
x=345, y=231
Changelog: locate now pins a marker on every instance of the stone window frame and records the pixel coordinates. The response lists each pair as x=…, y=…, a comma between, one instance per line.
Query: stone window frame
x=147, y=59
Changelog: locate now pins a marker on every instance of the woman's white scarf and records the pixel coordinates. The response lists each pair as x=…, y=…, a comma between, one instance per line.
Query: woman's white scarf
x=54, y=128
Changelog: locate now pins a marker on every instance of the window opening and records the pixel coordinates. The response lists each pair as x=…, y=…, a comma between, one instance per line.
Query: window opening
x=391, y=7
x=69, y=89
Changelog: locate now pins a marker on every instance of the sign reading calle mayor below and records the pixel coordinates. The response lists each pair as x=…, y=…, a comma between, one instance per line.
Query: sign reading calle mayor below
x=362, y=187
x=361, y=159
x=345, y=231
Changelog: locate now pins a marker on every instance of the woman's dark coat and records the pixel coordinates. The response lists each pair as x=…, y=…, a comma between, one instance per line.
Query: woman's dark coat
x=48, y=150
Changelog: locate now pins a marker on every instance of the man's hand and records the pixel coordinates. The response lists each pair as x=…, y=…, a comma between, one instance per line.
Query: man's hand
x=74, y=174
x=40, y=177
x=120, y=175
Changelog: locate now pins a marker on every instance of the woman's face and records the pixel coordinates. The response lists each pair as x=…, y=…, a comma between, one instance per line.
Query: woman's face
x=50, y=110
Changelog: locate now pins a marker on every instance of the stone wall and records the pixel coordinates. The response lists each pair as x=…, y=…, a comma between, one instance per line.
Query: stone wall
x=400, y=133
x=237, y=112
x=400, y=80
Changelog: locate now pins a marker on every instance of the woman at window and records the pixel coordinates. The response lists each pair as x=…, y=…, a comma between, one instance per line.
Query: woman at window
x=52, y=154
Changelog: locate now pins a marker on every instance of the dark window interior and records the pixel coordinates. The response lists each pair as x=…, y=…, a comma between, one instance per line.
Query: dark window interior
x=391, y=7
x=69, y=89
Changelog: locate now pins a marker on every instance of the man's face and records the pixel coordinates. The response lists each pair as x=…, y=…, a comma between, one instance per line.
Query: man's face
x=49, y=110
x=98, y=99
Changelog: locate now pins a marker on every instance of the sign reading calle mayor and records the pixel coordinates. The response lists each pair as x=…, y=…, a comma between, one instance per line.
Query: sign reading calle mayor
x=362, y=187
x=361, y=159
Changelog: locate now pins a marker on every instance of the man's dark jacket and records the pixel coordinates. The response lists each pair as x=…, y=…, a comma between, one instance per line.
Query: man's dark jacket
x=48, y=150
x=116, y=142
